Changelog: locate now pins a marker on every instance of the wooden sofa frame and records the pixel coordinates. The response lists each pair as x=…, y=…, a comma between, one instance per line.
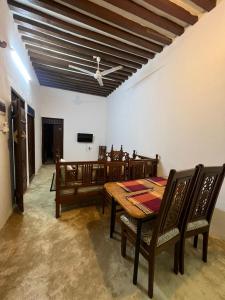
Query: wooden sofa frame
x=82, y=182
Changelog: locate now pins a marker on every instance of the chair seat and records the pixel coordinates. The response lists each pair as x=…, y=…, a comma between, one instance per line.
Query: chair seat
x=147, y=228
x=197, y=224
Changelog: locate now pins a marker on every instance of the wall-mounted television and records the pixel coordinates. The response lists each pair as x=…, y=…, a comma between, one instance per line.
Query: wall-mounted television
x=85, y=138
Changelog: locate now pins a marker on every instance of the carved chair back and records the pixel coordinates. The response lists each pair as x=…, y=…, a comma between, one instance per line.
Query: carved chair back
x=206, y=193
x=175, y=198
x=116, y=170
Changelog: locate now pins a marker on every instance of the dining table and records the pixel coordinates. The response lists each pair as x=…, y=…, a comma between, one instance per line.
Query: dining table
x=119, y=198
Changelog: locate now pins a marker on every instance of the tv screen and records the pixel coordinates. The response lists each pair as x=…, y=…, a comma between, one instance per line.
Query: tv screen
x=85, y=138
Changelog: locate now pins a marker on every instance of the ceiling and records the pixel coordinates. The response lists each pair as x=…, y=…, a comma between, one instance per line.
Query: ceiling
x=122, y=32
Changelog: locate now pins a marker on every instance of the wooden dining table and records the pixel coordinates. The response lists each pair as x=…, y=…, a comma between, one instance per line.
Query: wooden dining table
x=118, y=197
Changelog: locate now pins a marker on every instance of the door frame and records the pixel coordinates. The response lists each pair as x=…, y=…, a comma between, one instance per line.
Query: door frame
x=16, y=158
x=52, y=121
x=31, y=114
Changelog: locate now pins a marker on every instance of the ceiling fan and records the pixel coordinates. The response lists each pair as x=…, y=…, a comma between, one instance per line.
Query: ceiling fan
x=98, y=74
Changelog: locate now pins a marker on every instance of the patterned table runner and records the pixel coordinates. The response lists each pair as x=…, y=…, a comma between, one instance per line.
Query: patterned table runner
x=133, y=186
x=160, y=181
x=148, y=202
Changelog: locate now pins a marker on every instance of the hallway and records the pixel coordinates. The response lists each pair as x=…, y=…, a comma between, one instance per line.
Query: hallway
x=73, y=257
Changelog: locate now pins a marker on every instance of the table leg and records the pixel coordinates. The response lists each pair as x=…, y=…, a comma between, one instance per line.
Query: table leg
x=113, y=217
x=137, y=248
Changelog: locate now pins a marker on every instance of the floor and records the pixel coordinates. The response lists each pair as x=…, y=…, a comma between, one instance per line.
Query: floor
x=73, y=257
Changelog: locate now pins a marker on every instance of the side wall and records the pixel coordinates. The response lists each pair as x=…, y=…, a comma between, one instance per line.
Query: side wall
x=81, y=113
x=175, y=106
x=10, y=76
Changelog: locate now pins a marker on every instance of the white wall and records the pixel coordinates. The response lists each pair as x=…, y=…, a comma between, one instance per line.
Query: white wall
x=10, y=76
x=179, y=110
x=81, y=113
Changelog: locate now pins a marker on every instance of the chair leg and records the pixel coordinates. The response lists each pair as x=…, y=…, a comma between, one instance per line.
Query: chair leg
x=103, y=205
x=205, y=246
x=137, y=249
x=113, y=217
x=57, y=209
x=151, y=271
x=195, y=241
x=123, y=242
x=181, y=259
x=176, y=257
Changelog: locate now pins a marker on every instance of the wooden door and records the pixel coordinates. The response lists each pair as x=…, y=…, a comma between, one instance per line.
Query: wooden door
x=58, y=140
x=31, y=141
x=20, y=155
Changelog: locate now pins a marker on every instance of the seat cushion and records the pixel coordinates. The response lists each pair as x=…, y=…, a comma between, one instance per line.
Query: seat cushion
x=197, y=224
x=147, y=229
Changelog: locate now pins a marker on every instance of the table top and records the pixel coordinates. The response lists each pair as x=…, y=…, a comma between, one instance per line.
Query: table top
x=119, y=195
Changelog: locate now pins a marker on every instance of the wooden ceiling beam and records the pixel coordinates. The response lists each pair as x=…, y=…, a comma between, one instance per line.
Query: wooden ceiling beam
x=114, y=18
x=47, y=30
x=174, y=10
x=74, y=78
x=66, y=52
x=147, y=15
x=100, y=90
x=71, y=60
x=60, y=70
x=37, y=15
x=76, y=83
x=205, y=4
x=72, y=89
x=133, y=54
x=51, y=61
x=36, y=40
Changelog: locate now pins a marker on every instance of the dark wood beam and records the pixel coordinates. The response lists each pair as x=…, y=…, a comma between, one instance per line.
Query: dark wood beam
x=75, y=83
x=174, y=10
x=73, y=78
x=72, y=89
x=35, y=14
x=71, y=60
x=99, y=89
x=92, y=45
x=141, y=56
x=39, y=66
x=42, y=59
x=50, y=48
x=205, y=4
x=147, y=15
x=117, y=19
x=45, y=41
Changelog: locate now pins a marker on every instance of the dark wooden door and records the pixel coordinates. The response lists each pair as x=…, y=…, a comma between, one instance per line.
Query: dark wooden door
x=52, y=139
x=20, y=154
x=31, y=141
x=57, y=140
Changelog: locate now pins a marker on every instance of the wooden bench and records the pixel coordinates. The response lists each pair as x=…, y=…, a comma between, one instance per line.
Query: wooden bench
x=82, y=182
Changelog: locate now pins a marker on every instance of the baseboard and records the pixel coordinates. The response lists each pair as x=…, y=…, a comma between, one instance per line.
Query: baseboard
x=218, y=224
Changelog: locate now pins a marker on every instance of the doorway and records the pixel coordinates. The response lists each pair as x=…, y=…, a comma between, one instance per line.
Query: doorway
x=52, y=139
x=19, y=153
x=31, y=141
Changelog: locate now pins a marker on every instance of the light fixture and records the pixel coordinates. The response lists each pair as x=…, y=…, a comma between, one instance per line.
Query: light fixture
x=19, y=64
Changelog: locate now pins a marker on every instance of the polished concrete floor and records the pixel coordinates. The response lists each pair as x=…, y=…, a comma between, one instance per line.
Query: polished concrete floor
x=73, y=257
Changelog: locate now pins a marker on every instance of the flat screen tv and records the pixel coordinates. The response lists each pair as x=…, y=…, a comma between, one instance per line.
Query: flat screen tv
x=85, y=138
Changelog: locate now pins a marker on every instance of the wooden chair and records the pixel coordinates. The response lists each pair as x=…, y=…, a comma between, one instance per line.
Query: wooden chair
x=163, y=232
x=115, y=171
x=141, y=168
x=199, y=214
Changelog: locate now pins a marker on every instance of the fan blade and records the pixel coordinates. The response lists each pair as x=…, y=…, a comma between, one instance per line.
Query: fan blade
x=111, y=70
x=100, y=81
x=82, y=70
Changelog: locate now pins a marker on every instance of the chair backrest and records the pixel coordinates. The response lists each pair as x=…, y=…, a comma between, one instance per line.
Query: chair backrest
x=176, y=197
x=116, y=170
x=141, y=168
x=206, y=193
